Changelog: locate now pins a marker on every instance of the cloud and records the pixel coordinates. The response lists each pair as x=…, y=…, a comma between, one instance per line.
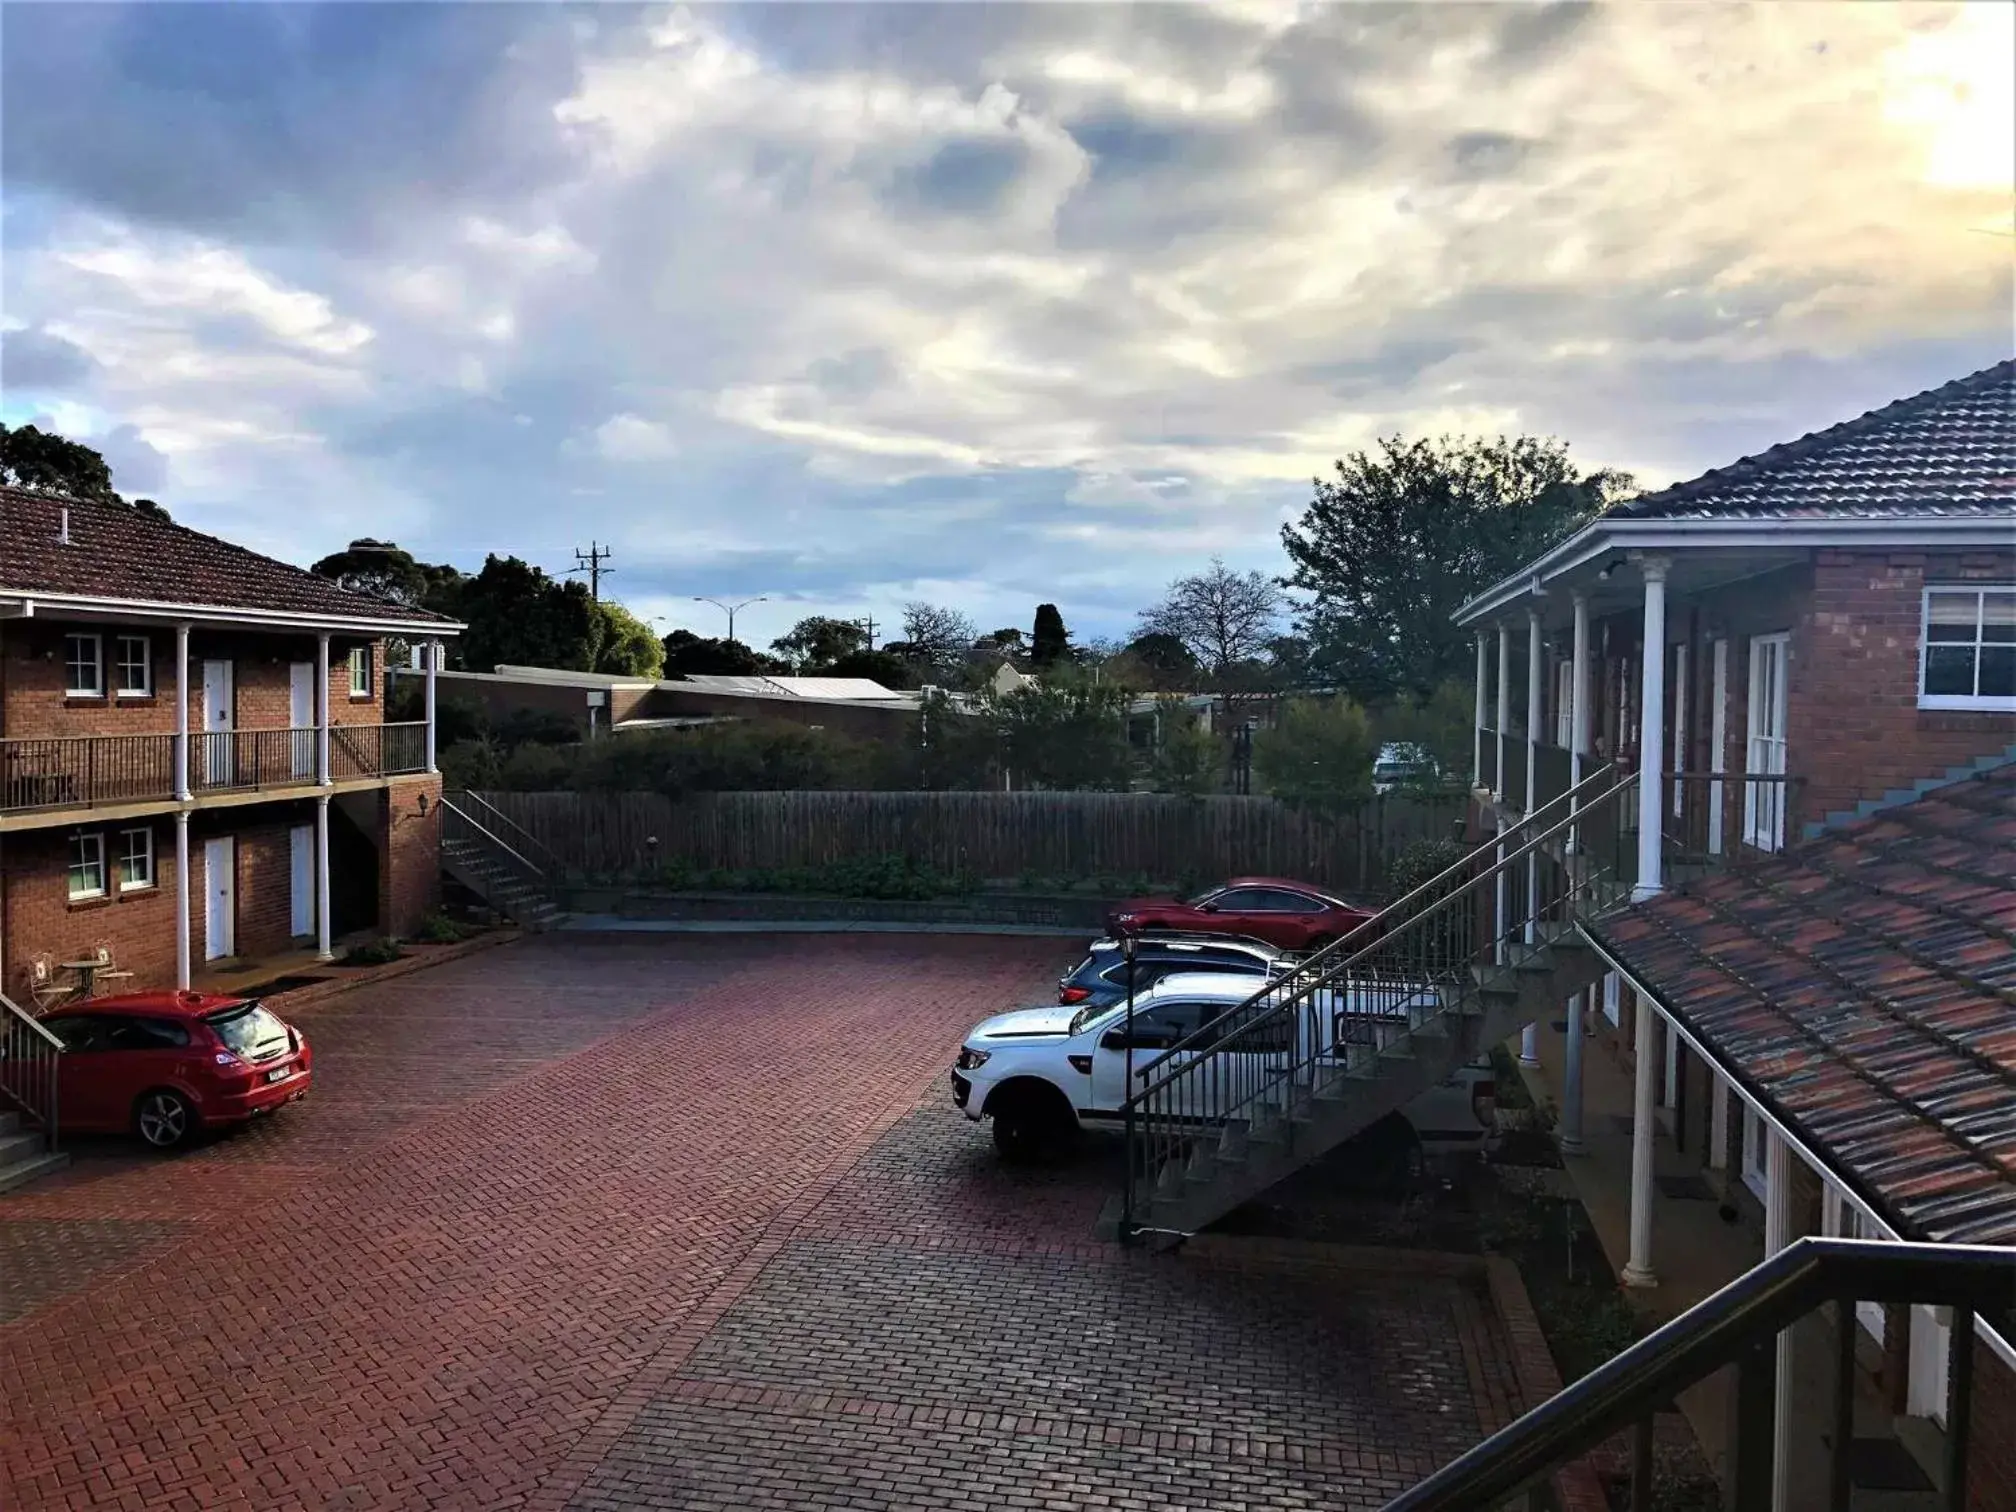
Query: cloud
x=1034, y=300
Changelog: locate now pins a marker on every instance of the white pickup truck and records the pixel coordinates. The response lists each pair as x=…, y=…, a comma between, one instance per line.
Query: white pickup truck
x=1044, y=1074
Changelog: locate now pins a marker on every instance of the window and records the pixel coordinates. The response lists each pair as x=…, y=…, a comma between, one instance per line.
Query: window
x=134, y=666
x=1564, y=705
x=87, y=866
x=136, y=859
x=1280, y=900
x=84, y=666
x=1755, y=1160
x=360, y=671
x=1160, y=1027
x=1613, y=994
x=1679, y=728
x=80, y=1033
x=147, y=1034
x=1969, y=656
x=1764, y=802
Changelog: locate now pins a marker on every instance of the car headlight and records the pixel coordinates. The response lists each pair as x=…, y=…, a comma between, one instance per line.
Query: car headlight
x=972, y=1060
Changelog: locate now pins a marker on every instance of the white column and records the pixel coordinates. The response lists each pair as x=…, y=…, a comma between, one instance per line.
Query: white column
x=1778, y=1234
x=1578, y=710
x=1651, y=730
x=1477, y=759
x=1504, y=704
x=322, y=950
x=182, y=964
x=322, y=710
x=1571, y=1083
x=182, y=728
x=1638, y=1268
x=1718, y=1124
x=433, y=654
x=1535, y=658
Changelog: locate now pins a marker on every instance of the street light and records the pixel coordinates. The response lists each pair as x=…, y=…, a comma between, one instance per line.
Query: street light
x=730, y=609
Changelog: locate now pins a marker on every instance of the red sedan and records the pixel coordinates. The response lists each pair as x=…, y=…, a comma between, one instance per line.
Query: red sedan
x=165, y=1064
x=1291, y=915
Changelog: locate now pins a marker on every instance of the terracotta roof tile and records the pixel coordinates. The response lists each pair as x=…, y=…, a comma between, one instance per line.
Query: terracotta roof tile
x=120, y=553
x=1864, y=985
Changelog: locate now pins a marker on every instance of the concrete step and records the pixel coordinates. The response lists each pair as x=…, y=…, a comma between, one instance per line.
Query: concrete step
x=21, y=1172
x=9, y=1123
x=19, y=1145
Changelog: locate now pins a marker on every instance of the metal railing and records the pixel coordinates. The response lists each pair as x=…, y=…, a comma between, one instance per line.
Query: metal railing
x=1512, y=758
x=377, y=750
x=1714, y=818
x=222, y=760
x=1425, y=956
x=29, y=1075
x=1737, y=1328
x=83, y=771
x=460, y=829
x=522, y=840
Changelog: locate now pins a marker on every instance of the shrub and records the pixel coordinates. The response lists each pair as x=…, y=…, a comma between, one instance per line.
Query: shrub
x=439, y=929
x=1319, y=757
x=372, y=953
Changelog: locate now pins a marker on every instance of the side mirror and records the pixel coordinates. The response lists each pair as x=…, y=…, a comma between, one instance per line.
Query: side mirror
x=1207, y=908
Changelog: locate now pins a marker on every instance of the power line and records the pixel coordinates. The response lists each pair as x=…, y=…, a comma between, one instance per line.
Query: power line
x=868, y=624
x=590, y=562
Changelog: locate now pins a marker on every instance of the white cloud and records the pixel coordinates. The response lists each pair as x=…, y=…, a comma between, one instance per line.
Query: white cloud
x=631, y=438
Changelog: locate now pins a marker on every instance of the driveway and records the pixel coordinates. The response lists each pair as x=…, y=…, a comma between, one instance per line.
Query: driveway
x=683, y=1222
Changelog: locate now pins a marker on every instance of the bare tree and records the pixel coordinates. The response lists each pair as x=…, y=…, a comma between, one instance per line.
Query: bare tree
x=1222, y=617
x=940, y=636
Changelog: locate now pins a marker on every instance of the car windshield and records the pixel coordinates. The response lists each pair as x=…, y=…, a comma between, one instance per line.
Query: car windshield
x=1203, y=897
x=245, y=1029
x=1083, y=1018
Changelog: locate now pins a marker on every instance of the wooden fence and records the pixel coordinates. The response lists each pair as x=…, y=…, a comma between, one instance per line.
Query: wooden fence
x=994, y=836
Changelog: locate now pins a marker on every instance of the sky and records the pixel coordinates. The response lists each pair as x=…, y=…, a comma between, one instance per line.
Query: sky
x=985, y=305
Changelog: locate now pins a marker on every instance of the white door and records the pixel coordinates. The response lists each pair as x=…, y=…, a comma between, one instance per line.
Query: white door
x=301, y=717
x=1156, y=1029
x=217, y=710
x=301, y=880
x=220, y=891
x=1764, y=802
x=1718, y=734
x=1931, y=1328
x=1564, y=705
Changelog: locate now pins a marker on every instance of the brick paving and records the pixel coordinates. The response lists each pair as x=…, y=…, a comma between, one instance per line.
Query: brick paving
x=603, y=1223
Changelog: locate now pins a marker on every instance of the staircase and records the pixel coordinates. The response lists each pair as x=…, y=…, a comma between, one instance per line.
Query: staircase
x=28, y=1077
x=475, y=852
x=1363, y=1027
x=25, y=1153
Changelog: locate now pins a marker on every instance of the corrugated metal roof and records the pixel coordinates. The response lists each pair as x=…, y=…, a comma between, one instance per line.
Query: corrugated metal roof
x=1948, y=452
x=725, y=683
x=1864, y=985
x=834, y=687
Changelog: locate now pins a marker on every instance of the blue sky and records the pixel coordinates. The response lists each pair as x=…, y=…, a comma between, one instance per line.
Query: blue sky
x=850, y=305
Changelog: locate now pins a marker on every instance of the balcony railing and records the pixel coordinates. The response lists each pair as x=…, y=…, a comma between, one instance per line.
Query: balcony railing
x=1712, y=818
x=95, y=771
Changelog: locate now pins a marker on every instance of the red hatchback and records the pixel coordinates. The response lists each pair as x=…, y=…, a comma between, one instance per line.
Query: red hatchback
x=165, y=1064
x=1290, y=915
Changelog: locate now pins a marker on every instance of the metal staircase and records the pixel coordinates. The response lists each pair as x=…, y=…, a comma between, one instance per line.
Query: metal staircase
x=1366, y=1025
x=29, y=1076
x=500, y=871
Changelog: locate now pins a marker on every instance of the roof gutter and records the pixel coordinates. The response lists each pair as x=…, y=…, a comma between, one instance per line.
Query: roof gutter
x=1604, y=535
x=289, y=619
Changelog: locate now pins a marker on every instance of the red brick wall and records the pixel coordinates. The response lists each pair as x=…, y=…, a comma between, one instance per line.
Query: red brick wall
x=1991, y=1484
x=409, y=877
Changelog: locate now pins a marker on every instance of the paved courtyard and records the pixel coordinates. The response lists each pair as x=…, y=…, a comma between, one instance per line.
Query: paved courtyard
x=684, y=1222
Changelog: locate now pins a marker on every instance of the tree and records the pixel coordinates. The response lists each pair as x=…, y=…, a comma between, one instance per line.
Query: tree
x=1051, y=642
x=936, y=636
x=884, y=667
x=1443, y=725
x=1062, y=734
x=1164, y=658
x=45, y=462
x=690, y=655
x=376, y=569
x=818, y=641
x=1400, y=540
x=1222, y=617
x=1190, y=759
x=1319, y=757
x=624, y=644
x=517, y=614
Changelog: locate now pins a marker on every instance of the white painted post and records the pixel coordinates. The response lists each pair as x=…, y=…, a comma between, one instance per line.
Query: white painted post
x=1529, y=1034
x=1578, y=707
x=1718, y=1125
x=1718, y=736
x=1502, y=891
x=433, y=654
x=182, y=963
x=1777, y=1235
x=1638, y=1268
x=1651, y=732
x=1477, y=758
x=323, y=952
x=1571, y=1088
x=322, y=711
x=182, y=729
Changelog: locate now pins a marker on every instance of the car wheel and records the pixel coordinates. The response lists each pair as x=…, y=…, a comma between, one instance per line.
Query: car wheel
x=163, y=1118
x=1033, y=1129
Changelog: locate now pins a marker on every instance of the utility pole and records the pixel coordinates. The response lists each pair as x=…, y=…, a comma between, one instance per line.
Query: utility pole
x=590, y=562
x=868, y=624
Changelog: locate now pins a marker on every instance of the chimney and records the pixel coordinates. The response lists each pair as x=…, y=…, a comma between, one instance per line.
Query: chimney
x=63, y=530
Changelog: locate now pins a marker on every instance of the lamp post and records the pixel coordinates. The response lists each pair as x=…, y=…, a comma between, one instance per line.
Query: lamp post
x=730, y=609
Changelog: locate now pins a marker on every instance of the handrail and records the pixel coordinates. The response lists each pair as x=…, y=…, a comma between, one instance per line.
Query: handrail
x=552, y=856
x=30, y=1074
x=1213, y=1031
x=1715, y=1332
x=29, y=1019
x=493, y=839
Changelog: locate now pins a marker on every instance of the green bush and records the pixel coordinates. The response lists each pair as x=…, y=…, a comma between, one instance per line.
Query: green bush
x=1319, y=757
x=372, y=953
x=439, y=929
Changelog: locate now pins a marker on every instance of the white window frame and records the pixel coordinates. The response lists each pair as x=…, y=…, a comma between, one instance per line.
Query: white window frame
x=145, y=687
x=97, y=663
x=1679, y=726
x=360, y=662
x=1564, y=704
x=1764, y=802
x=1613, y=995
x=1976, y=700
x=145, y=854
x=87, y=851
x=1756, y=1158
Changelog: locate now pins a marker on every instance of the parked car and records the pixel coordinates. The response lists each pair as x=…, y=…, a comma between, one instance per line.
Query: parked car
x=1101, y=978
x=1046, y=1074
x=1401, y=763
x=1291, y=915
x=165, y=1064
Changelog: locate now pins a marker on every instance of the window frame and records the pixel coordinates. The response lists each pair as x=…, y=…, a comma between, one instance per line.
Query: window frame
x=95, y=839
x=146, y=832
x=1993, y=703
x=96, y=639
x=365, y=656
x=1764, y=803
x=120, y=642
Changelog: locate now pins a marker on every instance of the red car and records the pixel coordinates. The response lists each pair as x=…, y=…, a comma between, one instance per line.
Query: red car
x=165, y=1064
x=1291, y=915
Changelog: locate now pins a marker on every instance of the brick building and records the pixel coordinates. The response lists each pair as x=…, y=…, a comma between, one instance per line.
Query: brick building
x=1809, y=661
x=195, y=763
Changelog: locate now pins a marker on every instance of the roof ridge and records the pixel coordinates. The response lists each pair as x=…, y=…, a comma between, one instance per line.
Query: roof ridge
x=1814, y=442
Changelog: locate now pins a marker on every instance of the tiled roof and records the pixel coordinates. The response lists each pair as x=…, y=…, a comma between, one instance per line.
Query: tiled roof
x=126, y=554
x=1950, y=451
x=1864, y=985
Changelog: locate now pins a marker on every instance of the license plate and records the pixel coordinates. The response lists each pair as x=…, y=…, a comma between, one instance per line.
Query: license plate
x=279, y=1074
